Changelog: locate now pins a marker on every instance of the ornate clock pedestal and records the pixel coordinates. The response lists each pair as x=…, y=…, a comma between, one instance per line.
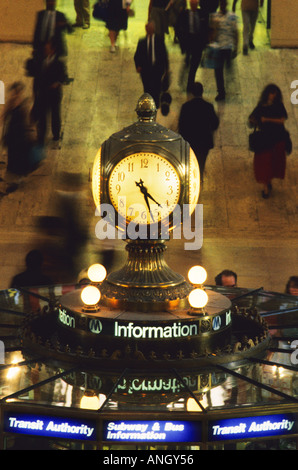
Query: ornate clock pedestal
x=145, y=283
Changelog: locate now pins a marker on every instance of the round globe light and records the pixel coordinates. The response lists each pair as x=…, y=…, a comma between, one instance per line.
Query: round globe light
x=90, y=401
x=97, y=272
x=197, y=275
x=198, y=298
x=90, y=295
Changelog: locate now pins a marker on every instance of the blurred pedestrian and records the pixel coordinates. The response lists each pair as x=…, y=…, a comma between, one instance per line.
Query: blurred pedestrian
x=18, y=135
x=192, y=34
x=224, y=33
x=48, y=92
x=165, y=115
x=151, y=61
x=197, y=123
x=270, y=157
x=50, y=24
x=71, y=204
x=117, y=19
x=176, y=9
x=33, y=275
x=82, y=8
x=158, y=13
x=250, y=12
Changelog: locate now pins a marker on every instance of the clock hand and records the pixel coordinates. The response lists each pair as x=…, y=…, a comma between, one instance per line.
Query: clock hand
x=149, y=195
x=144, y=191
x=148, y=205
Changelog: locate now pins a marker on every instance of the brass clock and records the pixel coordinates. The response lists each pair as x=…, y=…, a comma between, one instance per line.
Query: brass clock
x=144, y=177
x=143, y=173
x=144, y=188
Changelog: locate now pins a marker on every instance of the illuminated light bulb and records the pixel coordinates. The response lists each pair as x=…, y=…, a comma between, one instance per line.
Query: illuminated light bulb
x=198, y=298
x=90, y=295
x=197, y=275
x=193, y=405
x=90, y=401
x=97, y=273
x=13, y=370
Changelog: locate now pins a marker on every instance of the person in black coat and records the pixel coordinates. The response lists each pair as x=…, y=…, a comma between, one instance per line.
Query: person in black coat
x=197, y=123
x=48, y=92
x=152, y=62
x=33, y=276
x=50, y=24
x=192, y=34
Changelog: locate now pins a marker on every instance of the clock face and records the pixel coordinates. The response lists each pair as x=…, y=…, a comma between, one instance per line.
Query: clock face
x=144, y=187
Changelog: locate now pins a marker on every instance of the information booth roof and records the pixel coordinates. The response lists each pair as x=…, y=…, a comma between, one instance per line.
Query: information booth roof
x=251, y=399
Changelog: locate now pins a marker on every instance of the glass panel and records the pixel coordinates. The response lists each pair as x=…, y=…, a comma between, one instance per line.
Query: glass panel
x=255, y=385
x=38, y=443
x=163, y=392
x=203, y=390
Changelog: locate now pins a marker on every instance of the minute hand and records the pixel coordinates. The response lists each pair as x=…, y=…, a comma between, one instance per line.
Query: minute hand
x=148, y=205
x=144, y=191
x=146, y=195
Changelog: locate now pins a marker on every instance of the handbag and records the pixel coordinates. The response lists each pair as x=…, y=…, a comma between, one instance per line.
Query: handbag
x=211, y=57
x=36, y=155
x=100, y=10
x=289, y=144
x=257, y=141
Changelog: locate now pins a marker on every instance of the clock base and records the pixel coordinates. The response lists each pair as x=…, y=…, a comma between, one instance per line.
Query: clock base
x=145, y=283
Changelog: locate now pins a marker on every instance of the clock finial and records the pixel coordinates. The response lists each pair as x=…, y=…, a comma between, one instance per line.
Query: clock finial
x=146, y=108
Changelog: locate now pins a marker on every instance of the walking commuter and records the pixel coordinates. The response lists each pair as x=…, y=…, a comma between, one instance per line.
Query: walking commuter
x=224, y=33
x=197, y=123
x=270, y=156
x=192, y=34
x=250, y=12
x=82, y=8
x=48, y=93
x=151, y=61
x=117, y=19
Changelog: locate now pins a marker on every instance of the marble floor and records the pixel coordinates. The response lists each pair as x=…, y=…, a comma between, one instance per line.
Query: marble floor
x=257, y=238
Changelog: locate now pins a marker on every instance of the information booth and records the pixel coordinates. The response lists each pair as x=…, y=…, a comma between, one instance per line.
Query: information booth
x=249, y=404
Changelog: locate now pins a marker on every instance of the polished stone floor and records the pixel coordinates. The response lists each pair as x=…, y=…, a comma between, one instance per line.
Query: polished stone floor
x=257, y=238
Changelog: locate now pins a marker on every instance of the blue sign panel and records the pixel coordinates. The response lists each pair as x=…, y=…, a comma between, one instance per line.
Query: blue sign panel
x=49, y=426
x=152, y=431
x=256, y=426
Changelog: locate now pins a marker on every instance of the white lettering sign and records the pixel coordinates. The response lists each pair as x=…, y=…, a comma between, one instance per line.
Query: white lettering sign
x=157, y=384
x=253, y=427
x=48, y=427
x=105, y=227
x=177, y=330
x=216, y=323
x=66, y=319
